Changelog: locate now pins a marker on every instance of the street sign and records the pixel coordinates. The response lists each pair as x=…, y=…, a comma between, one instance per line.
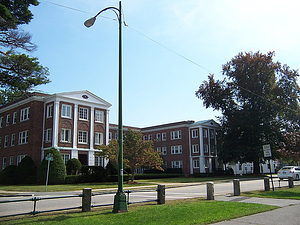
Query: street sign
x=49, y=157
x=267, y=151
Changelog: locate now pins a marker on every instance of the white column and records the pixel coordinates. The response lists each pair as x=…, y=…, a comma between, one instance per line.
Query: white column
x=202, y=158
x=92, y=122
x=91, y=158
x=75, y=132
x=74, y=154
x=107, y=127
x=55, y=124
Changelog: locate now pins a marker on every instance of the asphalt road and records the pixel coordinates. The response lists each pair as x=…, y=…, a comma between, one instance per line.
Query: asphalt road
x=194, y=191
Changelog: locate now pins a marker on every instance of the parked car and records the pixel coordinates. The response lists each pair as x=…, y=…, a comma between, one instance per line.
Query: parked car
x=289, y=171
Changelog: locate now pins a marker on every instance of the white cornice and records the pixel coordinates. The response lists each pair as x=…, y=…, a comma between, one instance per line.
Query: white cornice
x=22, y=102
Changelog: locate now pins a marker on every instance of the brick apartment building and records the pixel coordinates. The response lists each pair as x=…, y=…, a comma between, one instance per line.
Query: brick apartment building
x=188, y=145
x=73, y=122
x=77, y=122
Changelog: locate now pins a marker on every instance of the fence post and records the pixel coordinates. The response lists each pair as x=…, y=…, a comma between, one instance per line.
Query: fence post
x=291, y=182
x=267, y=183
x=161, y=194
x=86, y=199
x=210, y=191
x=236, y=187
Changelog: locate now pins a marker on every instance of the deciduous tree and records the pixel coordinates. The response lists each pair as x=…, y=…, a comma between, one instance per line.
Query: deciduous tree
x=258, y=99
x=137, y=153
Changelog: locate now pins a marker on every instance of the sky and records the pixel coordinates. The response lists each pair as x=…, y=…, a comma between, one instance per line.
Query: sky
x=169, y=48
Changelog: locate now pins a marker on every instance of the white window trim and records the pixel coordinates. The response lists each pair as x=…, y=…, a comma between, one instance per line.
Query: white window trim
x=99, y=116
x=65, y=115
x=13, y=140
x=164, y=150
x=48, y=135
x=24, y=114
x=65, y=157
x=81, y=136
x=196, y=164
x=64, y=137
x=23, y=137
x=98, y=138
x=195, y=148
x=15, y=115
x=175, y=135
x=195, y=133
x=83, y=113
x=177, y=149
x=7, y=119
x=49, y=111
x=1, y=121
x=164, y=136
x=5, y=141
x=177, y=164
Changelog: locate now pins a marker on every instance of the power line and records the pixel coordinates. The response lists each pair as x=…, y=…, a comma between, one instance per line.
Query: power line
x=178, y=54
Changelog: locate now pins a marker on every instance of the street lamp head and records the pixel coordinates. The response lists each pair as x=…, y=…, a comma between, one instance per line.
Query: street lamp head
x=90, y=22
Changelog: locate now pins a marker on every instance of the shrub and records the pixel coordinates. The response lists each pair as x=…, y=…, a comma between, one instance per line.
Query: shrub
x=57, y=170
x=7, y=175
x=26, y=171
x=73, y=165
x=94, y=174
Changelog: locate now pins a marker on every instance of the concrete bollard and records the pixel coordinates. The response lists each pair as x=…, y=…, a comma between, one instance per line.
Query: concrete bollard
x=267, y=183
x=161, y=194
x=291, y=182
x=210, y=191
x=86, y=199
x=236, y=187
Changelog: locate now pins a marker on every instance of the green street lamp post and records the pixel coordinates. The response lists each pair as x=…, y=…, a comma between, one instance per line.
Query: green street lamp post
x=120, y=201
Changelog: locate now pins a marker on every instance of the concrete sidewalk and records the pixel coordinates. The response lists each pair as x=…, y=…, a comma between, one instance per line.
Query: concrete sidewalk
x=287, y=214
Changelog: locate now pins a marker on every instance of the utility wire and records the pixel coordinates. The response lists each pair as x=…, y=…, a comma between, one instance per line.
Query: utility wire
x=191, y=61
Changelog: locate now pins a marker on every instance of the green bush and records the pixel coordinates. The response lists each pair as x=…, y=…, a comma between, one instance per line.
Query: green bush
x=73, y=165
x=57, y=170
x=73, y=179
x=7, y=175
x=26, y=171
x=94, y=174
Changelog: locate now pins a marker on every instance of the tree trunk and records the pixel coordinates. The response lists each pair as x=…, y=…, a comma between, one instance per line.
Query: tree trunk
x=256, y=169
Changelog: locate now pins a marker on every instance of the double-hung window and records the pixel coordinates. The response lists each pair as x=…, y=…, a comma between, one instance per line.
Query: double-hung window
x=195, y=148
x=176, y=149
x=7, y=119
x=164, y=150
x=194, y=133
x=158, y=137
x=176, y=164
x=15, y=118
x=65, y=157
x=23, y=137
x=205, y=148
x=48, y=135
x=24, y=114
x=99, y=116
x=66, y=111
x=5, y=141
x=82, y=137
x=98, y=138
x=83, y=113
x=196, y=163
x=49, y=111
x=164, y=136
x=1, y=121
x=176, y=135
x=13, y=138
x=65, y=135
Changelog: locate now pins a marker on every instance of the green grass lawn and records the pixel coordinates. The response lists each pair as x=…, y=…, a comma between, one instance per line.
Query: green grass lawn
x=284, y=192
x=78, y=187
x=192, y=211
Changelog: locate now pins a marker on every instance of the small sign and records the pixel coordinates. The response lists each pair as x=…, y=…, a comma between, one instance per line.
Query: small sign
x=267, y=151
x=49, y=157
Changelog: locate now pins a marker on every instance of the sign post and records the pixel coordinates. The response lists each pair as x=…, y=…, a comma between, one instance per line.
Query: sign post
x=49, y=157
x=268, y=154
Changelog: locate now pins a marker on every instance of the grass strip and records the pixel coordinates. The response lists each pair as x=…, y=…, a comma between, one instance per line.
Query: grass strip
x=191, y=211
x=281, y=193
